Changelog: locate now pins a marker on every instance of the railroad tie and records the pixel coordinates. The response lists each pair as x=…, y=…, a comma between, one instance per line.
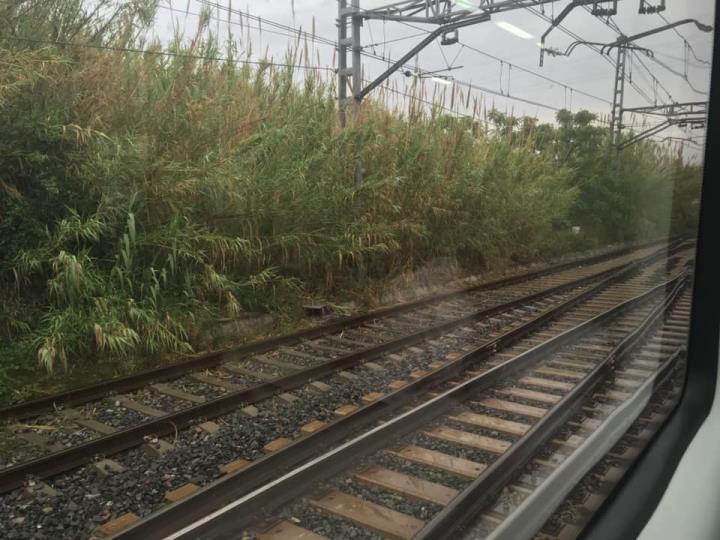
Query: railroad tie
x=512, y=407
x=407, y=485
x=463, y=438
x=118, y=524
x=531, y=395
x=77, y=417
x=375, y=517
x=286, y=530
x=546, y=383
x=177, y=393
x=233, y=466
x=36, y=439
x=215, y=381
x=277, y=444
x=181, y=492
x=268, y=360
x=439, y=460
x=372, y=396
x=562, y=373
x=312, y=427
x=136, y=406
x=491, y=423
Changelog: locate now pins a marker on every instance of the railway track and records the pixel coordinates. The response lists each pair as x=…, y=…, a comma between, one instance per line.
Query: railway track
x=565, y=495
x=578, y=508
x=54, y=436
x=421, y=473
x=357, y=331
x=411, y=364
x=611, y=419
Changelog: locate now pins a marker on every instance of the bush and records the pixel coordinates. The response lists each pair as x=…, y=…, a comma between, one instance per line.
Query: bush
x=141, y=193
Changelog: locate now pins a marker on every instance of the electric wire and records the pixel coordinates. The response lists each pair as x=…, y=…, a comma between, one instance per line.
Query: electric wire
x=535, y=74
x=519, y=68
x=687, y=43
x=156, y=52
x=172, y=9
x=575, y=36
x=368, y=54
x=679, y=74
x=614, y=26
x=299, y=33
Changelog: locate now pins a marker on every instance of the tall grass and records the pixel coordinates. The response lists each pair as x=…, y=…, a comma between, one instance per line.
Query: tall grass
x=141, y=194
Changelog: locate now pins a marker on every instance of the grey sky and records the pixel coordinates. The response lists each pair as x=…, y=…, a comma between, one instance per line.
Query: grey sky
x=585, y=70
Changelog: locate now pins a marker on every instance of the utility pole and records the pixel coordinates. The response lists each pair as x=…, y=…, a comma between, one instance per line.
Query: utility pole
x=623, y=43
x=618, y=97
x=342, y=71
x=448, y=16
x=686, y=111
x=691, y=114
x=356, y=24
x=350, y=76
x=356, y=52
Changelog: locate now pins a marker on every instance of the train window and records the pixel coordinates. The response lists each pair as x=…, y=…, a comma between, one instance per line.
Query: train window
x=352, y=268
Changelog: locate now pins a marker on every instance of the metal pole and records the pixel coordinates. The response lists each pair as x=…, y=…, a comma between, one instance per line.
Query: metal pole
x=356, y=50
x=342, y=72
x=618, y=97
x=356, y=23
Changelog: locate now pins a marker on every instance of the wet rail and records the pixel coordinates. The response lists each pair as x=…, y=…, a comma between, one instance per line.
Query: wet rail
x=620, y=303
x=66, y=437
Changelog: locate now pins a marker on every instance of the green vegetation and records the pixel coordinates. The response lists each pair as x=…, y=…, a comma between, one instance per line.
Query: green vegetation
x=142, y=194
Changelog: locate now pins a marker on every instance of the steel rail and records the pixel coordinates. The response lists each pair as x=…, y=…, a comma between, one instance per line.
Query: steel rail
x=236, y=516
x=530, y=515
x=209, y=360
x=70, y=458
x=265, y=469
x=464, y=508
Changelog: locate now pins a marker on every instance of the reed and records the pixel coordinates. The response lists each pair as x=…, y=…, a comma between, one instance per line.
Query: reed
x=143, y=193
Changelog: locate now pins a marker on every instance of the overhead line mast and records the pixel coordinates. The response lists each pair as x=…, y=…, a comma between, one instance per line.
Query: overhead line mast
x=448, y=16
x=680, y=114
x=683, y=114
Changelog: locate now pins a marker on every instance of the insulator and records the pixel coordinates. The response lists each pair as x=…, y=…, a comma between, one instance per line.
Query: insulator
x=648, y=9
x=600, y=11
x=450, y=38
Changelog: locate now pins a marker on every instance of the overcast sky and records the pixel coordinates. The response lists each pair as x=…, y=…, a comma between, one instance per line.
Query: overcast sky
x=584, y=71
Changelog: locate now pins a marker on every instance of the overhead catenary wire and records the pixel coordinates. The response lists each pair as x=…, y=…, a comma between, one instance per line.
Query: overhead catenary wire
x=575, y=36
x=535, y=74
x=367, y=54
x=517, y=67
x=329, y=42
x=685, y=40
x=654, y=80
x=387, y=88
x=156, y=52
x=394, y=40
x=679, y=74
x=375, y=56
x=678, y=59
x=614, y=26
x=265, y=63
x=259, y=28
x=293, y=33
x=691, y=140
x=226, y=59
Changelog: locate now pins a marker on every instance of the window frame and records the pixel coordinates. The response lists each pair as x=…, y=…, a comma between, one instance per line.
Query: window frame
x=629, y=508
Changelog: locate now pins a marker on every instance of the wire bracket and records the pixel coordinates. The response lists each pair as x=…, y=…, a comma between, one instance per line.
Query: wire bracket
x=647, y=9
